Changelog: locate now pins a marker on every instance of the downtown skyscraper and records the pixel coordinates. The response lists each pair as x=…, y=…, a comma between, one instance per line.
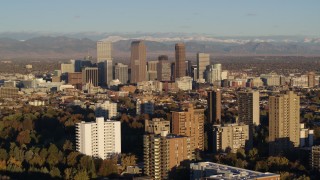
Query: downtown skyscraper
x=104, y=49
x=138, y=62
x=180, y=54
x=203, y=60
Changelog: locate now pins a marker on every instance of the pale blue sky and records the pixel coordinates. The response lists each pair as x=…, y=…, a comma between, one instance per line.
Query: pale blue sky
x=220, y=18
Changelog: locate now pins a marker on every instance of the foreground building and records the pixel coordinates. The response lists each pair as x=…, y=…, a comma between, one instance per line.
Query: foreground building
x=210, y=170
x=164, y=152
x=98, y=139
x=315, y=158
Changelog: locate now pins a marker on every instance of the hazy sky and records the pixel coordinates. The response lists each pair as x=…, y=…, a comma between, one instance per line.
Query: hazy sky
x=220, y=18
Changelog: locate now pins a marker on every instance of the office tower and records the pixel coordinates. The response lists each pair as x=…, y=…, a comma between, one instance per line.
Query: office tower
x=203, y=60
x=180, y=53
x=164, y=152
x=214, y=106
x=75, y=79
x=156, y=126
x=121, y=73
x=210, y=170
x=67, y=68
x=190, y=123
x=104, y=49
x=311, y=79
x=248, y=108
x=315, y=158
x=106, y=109
x=152, y=70
x=138, y=62
x=284, y=122
x=90, y=75
x=163, y=69
x=233, y=136
x=99, y=139
x=105, y=72
x=79, y=64
x=188, y=67
x=173, y=71
x=213, y=73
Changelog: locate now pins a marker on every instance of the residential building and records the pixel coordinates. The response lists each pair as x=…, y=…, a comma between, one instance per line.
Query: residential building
x=164, y=152
x=306, y=136
x=99, y=139
x=231, y=137
x=190, y=122
x=106, y=109
x=311, y=79
x=284, y=122
x=248, y=108
x=156, y=126
x=315, y=158
x=214, y=106
x=138, y=62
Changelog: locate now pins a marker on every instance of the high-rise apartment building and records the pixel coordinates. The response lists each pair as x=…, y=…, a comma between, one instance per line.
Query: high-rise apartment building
x=156, y=126
x=90, y=75
x=214, y=106
x=164, y=152
x=99, y=139
x=248, y=108
x=284, y=122
x=203, y=60
x=163, y=69
x=180, y=66
x=233, y=136
x=190, y=123
x=152, y=70
x=104, y=49
x=121, y=73
x=106, y=109
x=138, y=62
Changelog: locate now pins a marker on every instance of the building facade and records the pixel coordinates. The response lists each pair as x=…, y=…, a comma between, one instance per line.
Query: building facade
x=138, y=62
x=203, y=60
x=90, y=75
x=180, y=66
x=284, y=122
x=248, y=108
x=99, y=139
x=104, y=50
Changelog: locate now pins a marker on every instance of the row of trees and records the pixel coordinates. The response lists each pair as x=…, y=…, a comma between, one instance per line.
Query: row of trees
x=38, y=143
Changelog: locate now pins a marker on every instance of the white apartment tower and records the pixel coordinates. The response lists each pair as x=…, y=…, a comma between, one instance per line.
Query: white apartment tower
x=104, y=49
x=98, y=139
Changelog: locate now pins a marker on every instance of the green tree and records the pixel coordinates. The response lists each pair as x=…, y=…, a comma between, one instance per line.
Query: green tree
x=108, y=167
x=55, y=172
x=3, y=154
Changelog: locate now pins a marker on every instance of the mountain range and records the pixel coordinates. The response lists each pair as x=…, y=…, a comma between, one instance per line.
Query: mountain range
x=74, y=46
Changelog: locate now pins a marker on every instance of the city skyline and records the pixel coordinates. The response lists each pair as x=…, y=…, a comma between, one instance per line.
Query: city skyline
x=218, y=18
